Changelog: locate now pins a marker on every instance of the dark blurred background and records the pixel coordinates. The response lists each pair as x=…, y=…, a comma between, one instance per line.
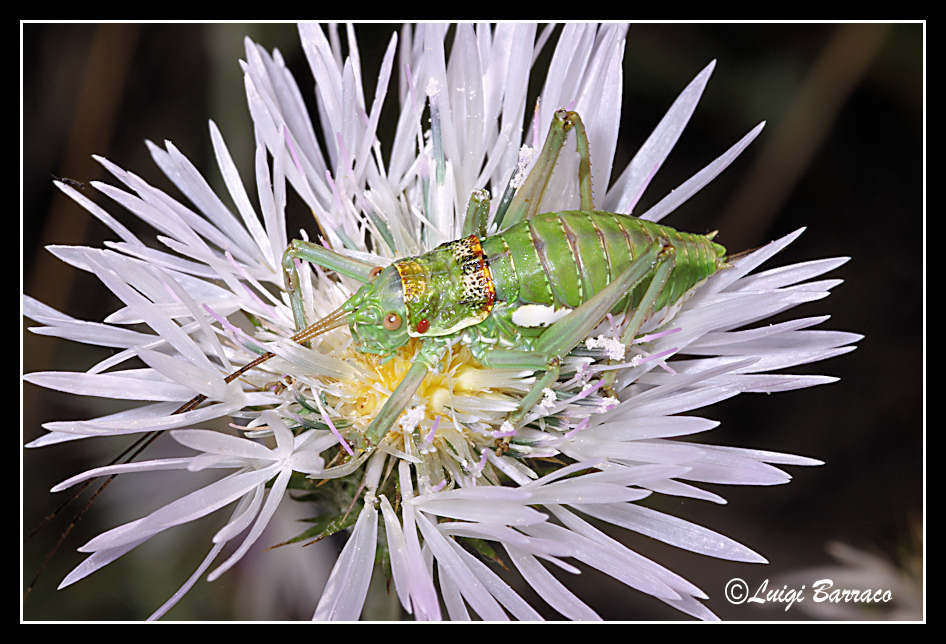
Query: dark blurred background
x=842, y=154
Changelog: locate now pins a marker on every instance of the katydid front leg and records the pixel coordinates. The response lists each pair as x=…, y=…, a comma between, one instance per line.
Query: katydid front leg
x=429, y=354
x=320, y=256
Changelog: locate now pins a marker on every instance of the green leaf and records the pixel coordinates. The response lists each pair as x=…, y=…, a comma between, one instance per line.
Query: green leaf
x=325, y=527
x=484, y=549
x=254, y=320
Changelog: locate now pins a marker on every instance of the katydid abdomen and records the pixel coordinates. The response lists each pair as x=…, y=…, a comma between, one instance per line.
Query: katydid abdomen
x=561, y=259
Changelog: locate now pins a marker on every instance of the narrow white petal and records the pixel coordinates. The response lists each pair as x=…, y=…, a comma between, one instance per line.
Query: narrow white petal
x=452, y=599
x=579, y=491
x=347, y=587
x=213, y=442
x=673, y=530
x=187, y=585
x=609, y=557
x=188, y=508
x=156, y=418
x=483, y=511
x=209, y=383
x=108, y=386
x=651, y=427
x=141, y=466
x=235, y=186
x=98, y=560
x=499, y=589
x=243, y=515
x=401, y=566
x=676, y=488
x=549, y=588
x=627, y=190
x=450, y=563
x=633, y=559
x=695, y=183
x=273, y=499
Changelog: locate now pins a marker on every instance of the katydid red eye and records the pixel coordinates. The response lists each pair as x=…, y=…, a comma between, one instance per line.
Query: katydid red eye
x=392, y=322
x=375, y=272
x=423, y=325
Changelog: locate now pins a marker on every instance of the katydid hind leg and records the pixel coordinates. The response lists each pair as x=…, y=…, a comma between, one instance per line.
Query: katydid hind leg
x=584, y=163
x=528, y=198
x=526, y=201
x=645, y=307
x=477, y=214
x=560, y=338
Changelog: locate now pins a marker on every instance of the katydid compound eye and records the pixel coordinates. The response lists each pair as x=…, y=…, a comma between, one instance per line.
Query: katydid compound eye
x=375, y=272
x=392, y=322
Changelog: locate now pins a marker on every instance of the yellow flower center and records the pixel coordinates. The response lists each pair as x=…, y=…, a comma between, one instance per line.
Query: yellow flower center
x=458, y=375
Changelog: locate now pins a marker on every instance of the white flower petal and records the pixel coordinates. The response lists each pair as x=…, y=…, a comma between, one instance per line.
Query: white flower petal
x=549, y=588
x=695, y=183
x=212, y=442
x=345, y=591
x=485, y=511
x=608, y=557
x=672, y=530
x=451, y=565
x=188, y=508
x=98, y=560
x=627, y=190
x=273, y=499
x=242, y=516
x=108, y=386
x=141, y=466
x=499, y=589
x=148, y=418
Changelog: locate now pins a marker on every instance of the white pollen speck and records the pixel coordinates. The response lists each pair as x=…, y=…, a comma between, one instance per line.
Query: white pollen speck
x=433, y=87
x=612, y=346
x=548, y=400
x=525, y=158
x=412, y=417
x=505, y=430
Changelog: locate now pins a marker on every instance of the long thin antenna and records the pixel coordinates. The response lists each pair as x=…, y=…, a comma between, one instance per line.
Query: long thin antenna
x=332, y=321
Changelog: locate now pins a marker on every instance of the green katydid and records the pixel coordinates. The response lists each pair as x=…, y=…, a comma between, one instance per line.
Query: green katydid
x=519, y=299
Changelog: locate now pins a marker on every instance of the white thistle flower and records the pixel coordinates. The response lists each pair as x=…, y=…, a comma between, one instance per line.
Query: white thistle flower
x=439, y=483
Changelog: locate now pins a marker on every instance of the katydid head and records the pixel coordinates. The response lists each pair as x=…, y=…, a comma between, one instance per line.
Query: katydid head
x=377, y=314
